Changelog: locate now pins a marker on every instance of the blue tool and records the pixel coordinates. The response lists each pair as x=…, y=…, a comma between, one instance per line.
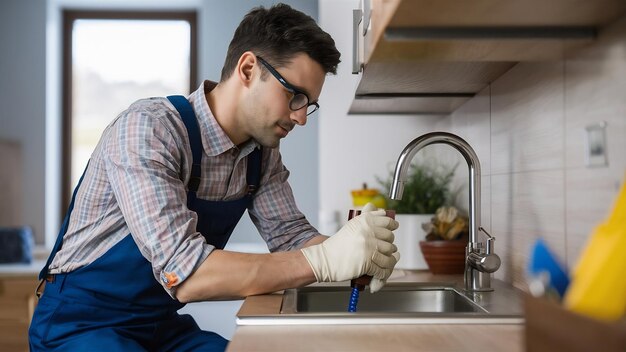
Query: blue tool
x=542, y=260
x=357, y=285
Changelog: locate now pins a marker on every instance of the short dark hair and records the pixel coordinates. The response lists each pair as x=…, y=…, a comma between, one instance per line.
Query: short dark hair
x=277, y=34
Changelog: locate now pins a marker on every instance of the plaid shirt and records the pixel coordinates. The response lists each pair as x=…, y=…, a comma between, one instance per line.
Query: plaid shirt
x=136, y=183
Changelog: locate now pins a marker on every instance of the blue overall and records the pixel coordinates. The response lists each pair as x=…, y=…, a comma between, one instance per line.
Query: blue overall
x=115, y=303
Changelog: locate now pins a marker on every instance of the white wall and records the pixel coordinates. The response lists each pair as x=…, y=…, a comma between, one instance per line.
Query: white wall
x=22, y=99
x=354, y=148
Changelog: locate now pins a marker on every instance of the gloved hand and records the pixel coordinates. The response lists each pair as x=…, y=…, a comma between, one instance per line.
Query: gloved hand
x=364, y=246
x=376, y=284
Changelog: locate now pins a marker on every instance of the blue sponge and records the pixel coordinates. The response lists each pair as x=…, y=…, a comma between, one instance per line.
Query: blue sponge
x=543, y=260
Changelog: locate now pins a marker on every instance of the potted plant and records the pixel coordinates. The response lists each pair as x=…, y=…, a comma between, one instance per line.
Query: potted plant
x=446, y=238
x=427, y=188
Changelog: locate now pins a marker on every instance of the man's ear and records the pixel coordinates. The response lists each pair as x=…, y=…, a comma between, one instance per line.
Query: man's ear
x=246, y=68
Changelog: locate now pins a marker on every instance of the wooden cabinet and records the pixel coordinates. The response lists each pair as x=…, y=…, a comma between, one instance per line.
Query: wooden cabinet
x=427, y=56
x=17, y=303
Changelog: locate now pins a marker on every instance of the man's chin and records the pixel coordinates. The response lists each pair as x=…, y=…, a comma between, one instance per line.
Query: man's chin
x=269, y=143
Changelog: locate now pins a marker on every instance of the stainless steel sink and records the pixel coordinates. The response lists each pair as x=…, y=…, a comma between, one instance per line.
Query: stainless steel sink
x=396, y=303
x=393, y=299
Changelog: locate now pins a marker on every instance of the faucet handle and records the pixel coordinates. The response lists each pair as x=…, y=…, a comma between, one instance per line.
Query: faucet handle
x=488, y=262
x=490, y=240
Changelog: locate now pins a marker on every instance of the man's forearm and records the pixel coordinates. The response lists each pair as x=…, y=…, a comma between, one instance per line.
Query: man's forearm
x=227, y=275
x=315, y=240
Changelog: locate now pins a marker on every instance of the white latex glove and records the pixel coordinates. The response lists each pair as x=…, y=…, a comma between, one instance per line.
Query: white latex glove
x=376, y=284
x=364, y=246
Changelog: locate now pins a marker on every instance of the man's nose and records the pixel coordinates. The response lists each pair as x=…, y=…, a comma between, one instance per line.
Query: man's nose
x=299, y=117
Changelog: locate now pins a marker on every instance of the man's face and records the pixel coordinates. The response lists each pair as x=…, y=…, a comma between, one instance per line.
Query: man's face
x=269, y=116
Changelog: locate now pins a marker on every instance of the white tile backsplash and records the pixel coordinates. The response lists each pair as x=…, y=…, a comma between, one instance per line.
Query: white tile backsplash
x=527, y=118
x=528, y=130
x=527, y=206
x=472, y=122
x=590, y=194
x=594, y=92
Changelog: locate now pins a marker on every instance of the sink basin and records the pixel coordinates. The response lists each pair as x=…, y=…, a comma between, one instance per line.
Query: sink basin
x=393, y=299
x=396, y=303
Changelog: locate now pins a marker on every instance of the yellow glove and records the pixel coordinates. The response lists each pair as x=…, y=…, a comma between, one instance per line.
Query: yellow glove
x=598, y=287
x=364, y=246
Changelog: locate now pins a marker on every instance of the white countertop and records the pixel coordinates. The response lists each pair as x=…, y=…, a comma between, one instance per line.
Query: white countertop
x=41, y=255
x=20, y=269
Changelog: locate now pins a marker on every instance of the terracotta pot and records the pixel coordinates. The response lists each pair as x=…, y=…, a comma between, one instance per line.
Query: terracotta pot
x=444, y=257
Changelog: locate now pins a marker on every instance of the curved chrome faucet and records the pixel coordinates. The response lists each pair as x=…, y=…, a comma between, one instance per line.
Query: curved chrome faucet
x=480, y=259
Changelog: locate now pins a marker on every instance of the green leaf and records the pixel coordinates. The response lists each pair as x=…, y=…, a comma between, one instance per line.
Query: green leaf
x=427, y=188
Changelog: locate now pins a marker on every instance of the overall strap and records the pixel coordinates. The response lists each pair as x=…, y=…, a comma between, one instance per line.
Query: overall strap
x=253, y=175
x=191, y=124
x=59, y=242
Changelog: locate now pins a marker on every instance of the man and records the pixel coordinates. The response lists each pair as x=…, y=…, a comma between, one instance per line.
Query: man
x=168, y=182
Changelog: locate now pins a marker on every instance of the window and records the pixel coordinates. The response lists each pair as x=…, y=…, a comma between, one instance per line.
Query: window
x=112, y=59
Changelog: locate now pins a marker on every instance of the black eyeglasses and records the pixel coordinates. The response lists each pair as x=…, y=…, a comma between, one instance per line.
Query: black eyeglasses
x=299, y=99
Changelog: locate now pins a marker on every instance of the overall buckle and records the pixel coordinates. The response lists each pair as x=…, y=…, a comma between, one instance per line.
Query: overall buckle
x=41, y=287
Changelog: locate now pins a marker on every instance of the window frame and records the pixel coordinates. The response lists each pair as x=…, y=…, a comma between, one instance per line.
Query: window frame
x=69, y=18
